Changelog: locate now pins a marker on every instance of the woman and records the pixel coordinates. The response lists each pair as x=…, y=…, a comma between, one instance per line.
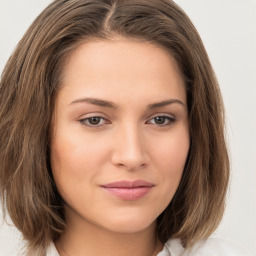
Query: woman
x=111, y=132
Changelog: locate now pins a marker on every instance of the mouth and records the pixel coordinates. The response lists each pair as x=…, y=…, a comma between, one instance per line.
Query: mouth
x=128, y=190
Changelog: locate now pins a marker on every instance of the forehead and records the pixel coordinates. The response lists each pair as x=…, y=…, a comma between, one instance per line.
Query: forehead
x=121, y=68
x=104, y=54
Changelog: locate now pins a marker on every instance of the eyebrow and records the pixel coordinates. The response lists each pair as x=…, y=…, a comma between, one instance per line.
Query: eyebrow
x=98, y=102
x=109, y=104
x=165, y=103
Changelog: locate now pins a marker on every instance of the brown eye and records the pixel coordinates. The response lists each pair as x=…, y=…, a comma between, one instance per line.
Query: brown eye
x=162, y=120
x=94, y=121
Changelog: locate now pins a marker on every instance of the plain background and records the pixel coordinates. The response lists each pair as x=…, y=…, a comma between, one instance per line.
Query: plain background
x=228, y=30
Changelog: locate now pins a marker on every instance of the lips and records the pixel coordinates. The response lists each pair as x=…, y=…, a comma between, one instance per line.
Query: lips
x=128, y=190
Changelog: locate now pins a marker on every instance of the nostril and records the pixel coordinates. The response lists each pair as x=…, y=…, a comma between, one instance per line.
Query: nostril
x=131, y=168
x=129, y=151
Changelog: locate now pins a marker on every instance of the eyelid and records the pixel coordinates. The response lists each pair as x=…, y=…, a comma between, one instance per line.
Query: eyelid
x=171, y=118
x=161, y=114
x=92, y=114
x=86, y=117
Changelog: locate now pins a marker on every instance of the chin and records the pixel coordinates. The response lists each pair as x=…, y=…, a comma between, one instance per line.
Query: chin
x=129, y=224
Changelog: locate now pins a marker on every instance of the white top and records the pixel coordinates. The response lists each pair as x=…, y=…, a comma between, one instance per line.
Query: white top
x=173, y=247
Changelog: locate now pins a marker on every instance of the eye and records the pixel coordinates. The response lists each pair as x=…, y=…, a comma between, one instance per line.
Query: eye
x=94, y=121
x=162, y=120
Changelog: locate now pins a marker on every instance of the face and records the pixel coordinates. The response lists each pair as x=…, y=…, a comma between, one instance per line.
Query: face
x=121, y=134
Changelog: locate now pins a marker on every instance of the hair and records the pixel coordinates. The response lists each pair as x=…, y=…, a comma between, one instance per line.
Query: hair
x=32, y=78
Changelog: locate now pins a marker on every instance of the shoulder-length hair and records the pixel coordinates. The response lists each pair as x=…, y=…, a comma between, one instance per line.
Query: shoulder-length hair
x=30, y=83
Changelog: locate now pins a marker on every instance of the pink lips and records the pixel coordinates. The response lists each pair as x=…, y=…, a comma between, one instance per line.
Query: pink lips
x=128, y=190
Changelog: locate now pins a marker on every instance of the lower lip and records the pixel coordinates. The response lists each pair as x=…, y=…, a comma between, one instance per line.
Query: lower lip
x=129, y=194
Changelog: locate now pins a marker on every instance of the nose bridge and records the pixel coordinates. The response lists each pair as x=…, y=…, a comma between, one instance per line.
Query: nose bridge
x=130, y=147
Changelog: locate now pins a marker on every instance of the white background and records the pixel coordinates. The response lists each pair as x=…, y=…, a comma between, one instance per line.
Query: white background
x=228, y=30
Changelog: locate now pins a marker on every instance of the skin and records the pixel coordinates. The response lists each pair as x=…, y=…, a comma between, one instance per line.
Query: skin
x=126, y=142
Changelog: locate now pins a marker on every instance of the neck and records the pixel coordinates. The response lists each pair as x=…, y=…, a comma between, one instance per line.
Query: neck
x=83, y=238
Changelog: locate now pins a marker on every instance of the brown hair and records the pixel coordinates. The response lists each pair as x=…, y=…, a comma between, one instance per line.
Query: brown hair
x=30, y=83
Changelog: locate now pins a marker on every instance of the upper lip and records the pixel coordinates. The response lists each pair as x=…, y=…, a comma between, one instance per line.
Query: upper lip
x=128, y=184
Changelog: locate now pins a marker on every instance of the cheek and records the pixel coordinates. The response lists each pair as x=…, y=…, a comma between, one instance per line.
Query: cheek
x=65, y=156
x=170, y=157
x=72, y=162
x=74, y=153
x=76, y=160
x=172, y=151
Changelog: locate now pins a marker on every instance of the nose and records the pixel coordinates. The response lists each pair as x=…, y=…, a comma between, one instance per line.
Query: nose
x=129, y=149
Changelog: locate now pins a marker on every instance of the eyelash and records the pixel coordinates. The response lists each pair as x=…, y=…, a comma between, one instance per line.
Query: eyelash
x=168, y=120
x=87, y=119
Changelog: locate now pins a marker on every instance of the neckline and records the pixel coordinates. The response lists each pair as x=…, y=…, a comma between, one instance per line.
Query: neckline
x=172, y=247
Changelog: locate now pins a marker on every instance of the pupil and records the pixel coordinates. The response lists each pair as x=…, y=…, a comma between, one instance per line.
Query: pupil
x=94, y=120
x=160, y=119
